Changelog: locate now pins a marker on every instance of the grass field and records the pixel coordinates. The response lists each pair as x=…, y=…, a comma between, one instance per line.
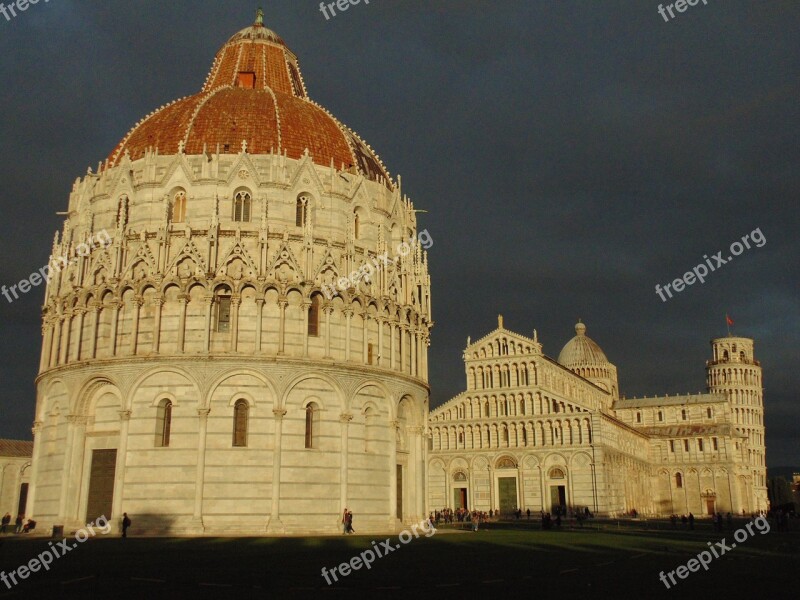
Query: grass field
x=505, y=560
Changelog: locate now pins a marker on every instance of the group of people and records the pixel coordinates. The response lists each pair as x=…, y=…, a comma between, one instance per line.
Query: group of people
x=780, y=519
x=20, y=526
x=460, y=515
x=684, y=519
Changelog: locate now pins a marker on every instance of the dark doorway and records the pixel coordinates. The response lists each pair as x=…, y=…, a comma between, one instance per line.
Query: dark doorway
x=558, y=497
x=710, y=506
x=101, y=484
x=460, y=498
x=23, y=499
x=400, y=492
x=508, y=494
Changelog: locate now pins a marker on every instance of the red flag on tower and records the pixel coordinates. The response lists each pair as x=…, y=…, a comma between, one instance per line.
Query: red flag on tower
x=729, y=320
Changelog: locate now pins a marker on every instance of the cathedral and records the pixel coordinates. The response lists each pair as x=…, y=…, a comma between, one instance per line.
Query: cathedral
x=236, y=360
x=539, y=434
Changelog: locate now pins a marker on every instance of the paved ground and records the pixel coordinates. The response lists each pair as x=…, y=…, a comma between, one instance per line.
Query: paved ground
x=514, y=560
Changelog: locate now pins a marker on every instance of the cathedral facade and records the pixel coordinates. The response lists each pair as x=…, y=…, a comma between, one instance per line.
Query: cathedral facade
x=535, y=433
x=194, y=372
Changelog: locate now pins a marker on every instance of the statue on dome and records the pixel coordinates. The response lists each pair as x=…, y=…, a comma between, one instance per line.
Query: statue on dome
x=260, y=17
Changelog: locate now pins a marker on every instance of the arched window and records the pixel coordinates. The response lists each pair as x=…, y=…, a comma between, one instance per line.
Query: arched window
x=241, y=207
x=223, y=309
x=301, y=211
x=678, y=480
x=486, y=408
x=505, y=435
x=163, y=423
x=461, y=438
x=709, y=412
x=638, y=417
x=179, y=207
x=312, y=425
x=660, y=415
x=683, y=414
x=557, y=473
x=524, y=437
x=356, y=225
x=313, y=316
x=240, y=416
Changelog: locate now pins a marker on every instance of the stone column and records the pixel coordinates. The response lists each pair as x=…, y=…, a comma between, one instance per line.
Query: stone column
x=137, y=307
x=365, y=336
x=413, y=343
x=73, y=422
x=96, y=306
x=158, y=302
x=119, y=476
x=66, y=324
x=36, y=430
x=348, y=315
x=47, y=338
x=56, y=345
x=392, y=358
x=305, y=307
x=344, y=419
x=112, y=343
x=184, y=300
x=274, y=525
x=81, y=312
x=381, y=324
x=209, y=299
x=75, y=476
x=259, y=322
x=393, y=427
x=419, y=492
x=235, y=302
x=282, y=302
x=328, y=311
x=403, y=347
x=197, y=516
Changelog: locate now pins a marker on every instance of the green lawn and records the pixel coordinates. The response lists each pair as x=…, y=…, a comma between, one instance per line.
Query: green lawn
x=506, y=561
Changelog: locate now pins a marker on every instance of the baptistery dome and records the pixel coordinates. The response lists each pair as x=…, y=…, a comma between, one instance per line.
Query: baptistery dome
x=255, y=94
x=225, y=348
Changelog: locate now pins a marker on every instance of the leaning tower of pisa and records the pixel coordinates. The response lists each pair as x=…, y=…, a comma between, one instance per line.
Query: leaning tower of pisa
x=735, y=372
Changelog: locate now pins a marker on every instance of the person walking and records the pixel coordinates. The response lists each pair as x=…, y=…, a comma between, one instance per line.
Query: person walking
x=18, y=523
x=344, y=521
x=349, y=523
x=126, y=522
x=4, y=523
x=691, y=521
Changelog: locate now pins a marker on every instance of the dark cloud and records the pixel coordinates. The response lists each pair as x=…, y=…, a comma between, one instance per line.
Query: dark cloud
x=572, y=155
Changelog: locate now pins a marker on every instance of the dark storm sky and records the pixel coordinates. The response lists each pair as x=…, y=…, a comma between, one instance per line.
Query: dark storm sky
x=571, y=155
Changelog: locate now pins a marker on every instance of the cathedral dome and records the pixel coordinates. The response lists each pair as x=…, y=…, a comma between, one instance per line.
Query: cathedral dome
x=582, y=351
x=254, y=98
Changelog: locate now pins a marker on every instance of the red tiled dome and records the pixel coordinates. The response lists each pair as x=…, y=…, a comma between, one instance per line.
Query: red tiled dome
x=254, y=93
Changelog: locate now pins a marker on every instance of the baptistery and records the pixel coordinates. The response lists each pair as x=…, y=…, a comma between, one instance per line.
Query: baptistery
x=236, y=359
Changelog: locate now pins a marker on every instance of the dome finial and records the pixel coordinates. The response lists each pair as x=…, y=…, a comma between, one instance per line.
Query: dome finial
x=580, y=328
x=259, y=17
